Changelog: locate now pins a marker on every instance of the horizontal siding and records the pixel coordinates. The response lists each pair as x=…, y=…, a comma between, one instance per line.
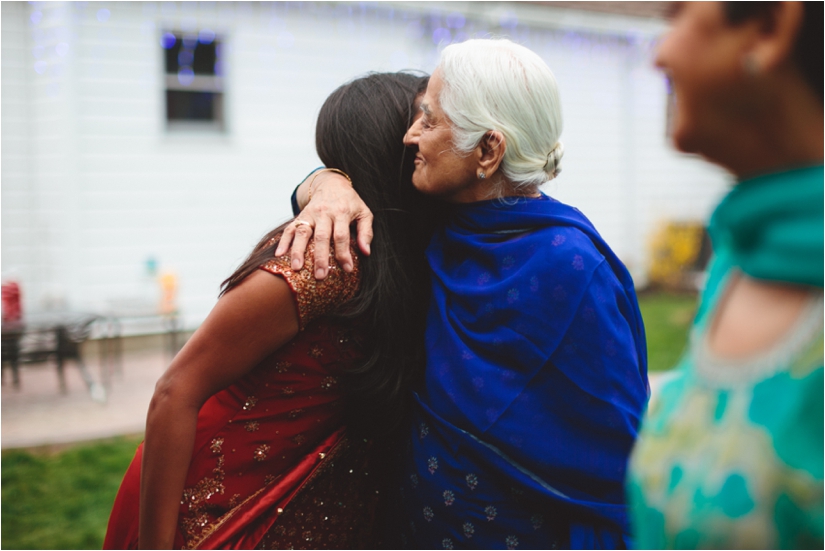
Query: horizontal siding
x=94, y=184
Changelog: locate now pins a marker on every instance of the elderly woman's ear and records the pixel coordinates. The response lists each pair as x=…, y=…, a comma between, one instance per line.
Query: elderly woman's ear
x=490, y=153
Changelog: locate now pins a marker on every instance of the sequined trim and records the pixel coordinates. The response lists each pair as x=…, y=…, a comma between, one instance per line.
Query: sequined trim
x=251, y=401
x=195, y=523
x=329, y=383
x=210, y=529
x=207, y=531
x=316, y=298
x=260, y=452
x=329, y=510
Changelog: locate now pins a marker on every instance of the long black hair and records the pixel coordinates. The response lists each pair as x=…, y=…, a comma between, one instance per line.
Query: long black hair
x=360, y=131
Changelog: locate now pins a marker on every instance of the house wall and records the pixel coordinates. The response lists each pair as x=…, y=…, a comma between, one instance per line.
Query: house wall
x=93, y=183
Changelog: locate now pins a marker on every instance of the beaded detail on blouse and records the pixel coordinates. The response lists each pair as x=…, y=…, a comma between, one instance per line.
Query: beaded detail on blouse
x=315, y=298
x=275, y=415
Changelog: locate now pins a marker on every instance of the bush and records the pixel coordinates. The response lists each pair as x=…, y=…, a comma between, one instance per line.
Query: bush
x=679, y=251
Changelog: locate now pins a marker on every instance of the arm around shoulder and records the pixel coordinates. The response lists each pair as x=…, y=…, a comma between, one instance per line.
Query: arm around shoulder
x=331, y=207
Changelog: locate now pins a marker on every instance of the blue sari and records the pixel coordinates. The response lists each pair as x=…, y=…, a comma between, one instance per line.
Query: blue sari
x=535, y=383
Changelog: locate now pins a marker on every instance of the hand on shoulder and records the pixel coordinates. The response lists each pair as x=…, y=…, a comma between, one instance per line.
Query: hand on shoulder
x=333, y=207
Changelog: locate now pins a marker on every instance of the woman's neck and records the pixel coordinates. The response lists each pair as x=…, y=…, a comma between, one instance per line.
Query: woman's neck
x=505, y=189
x=788, y=135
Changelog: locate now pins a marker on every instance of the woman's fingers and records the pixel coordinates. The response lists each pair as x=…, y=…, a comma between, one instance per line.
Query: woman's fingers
x=364, y=230
x=322, y=238
x=303, y=233
x=285, y=241
x=341, y=239
x=294, y=240
x=333, y=207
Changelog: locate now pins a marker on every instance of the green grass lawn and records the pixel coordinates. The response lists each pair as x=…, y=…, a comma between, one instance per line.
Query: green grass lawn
x=668, y=318
x=62, y=500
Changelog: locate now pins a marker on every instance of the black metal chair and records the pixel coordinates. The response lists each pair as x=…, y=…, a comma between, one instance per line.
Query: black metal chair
x=51, y=336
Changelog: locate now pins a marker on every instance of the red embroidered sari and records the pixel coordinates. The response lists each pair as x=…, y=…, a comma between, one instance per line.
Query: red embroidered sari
x=272, y=466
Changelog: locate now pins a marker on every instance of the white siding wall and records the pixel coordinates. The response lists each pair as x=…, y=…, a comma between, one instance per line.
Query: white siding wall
x=93, y=184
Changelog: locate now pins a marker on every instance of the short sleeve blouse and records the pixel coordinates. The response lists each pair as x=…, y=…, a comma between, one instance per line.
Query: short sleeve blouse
x=314, y=298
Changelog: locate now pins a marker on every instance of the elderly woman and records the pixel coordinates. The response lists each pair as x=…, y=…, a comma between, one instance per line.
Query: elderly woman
x=536, y=365
x=731, y=453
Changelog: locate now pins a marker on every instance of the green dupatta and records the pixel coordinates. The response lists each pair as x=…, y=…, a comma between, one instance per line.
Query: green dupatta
x=772, y=226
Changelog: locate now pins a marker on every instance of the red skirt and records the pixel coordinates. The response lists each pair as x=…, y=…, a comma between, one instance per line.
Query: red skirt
x=265, y=448
x=328, y=501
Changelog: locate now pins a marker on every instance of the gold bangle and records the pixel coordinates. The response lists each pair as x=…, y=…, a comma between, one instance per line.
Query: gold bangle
x=317, y=172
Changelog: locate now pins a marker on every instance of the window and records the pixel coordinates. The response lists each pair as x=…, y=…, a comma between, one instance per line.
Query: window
x=194, y=80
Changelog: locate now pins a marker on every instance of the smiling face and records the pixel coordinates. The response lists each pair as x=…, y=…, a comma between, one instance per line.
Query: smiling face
x=439, y=169
x=703, y=56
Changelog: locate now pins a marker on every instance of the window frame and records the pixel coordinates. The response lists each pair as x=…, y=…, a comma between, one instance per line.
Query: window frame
x=214, y=84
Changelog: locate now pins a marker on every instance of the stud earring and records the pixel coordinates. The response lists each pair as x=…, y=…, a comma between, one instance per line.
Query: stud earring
x=750, y=65
x=481, y=175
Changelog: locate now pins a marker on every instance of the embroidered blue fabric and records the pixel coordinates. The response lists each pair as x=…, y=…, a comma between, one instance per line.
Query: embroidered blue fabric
x=535, y=383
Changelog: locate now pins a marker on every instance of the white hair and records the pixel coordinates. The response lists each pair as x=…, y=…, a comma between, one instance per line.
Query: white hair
x=495, y=84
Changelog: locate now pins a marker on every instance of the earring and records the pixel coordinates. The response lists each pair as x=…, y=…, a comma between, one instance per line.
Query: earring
x=481, y=175
x=750, y=65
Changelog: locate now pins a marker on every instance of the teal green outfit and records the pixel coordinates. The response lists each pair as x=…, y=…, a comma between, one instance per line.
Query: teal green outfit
x=730, y=454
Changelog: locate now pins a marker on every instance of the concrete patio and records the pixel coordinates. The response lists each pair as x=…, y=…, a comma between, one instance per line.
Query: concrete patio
x=39, y=415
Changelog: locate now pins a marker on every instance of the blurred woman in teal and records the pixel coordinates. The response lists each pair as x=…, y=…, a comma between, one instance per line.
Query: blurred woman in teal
x=731, y=452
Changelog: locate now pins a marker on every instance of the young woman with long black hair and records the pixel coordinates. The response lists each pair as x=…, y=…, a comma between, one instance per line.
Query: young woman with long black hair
x=264, y=430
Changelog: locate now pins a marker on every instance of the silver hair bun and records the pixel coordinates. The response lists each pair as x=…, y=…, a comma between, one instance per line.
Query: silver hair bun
x=553, y=165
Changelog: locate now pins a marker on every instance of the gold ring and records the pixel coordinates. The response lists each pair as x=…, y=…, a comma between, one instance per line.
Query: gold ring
x=299, y=222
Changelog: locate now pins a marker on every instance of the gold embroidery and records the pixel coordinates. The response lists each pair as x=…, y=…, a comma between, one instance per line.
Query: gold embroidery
x=329, y=383
x=260, y=452
x=196, y=519
x=216, y=445
x=316, y=298
x=329, y=511
x=252, y=426
x=210, y=528
x=250, y=403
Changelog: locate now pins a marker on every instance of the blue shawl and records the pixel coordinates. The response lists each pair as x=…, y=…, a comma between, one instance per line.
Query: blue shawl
x=536, y=378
